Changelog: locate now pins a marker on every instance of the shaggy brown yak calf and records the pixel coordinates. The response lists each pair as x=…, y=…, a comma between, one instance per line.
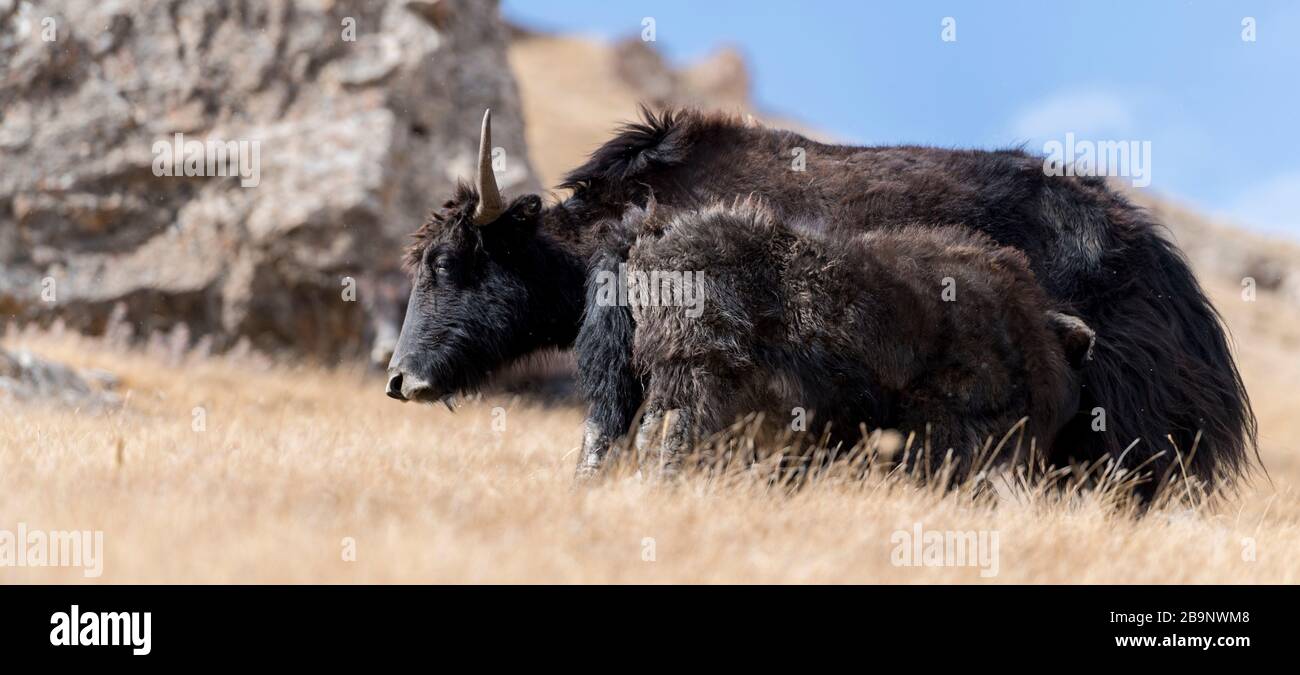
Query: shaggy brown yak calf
x=931, y=330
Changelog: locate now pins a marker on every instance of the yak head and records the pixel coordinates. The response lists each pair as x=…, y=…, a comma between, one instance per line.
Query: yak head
x=483, y=291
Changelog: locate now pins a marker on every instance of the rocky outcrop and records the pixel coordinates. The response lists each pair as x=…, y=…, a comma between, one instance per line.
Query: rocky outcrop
x=577, y=90
x=719, y=81
x=338, y=123
x=29, y=378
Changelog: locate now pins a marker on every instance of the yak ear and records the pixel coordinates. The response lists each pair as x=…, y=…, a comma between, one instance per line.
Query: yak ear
x=523, y=214
x=527, y=206
x=1077, y=338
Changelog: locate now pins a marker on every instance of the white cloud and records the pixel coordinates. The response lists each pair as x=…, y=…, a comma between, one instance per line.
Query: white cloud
x=1088, y=113
x=1271, y=206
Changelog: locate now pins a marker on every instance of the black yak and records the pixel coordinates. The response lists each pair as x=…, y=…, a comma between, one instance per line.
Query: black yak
x=494, y=282
x=935, y=331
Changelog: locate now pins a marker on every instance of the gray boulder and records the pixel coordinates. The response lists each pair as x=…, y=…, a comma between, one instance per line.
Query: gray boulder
x=341, y=123
x=29, y=378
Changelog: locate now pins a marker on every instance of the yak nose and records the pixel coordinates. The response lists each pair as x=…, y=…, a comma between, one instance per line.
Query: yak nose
x=406, y=386
x=395, y=385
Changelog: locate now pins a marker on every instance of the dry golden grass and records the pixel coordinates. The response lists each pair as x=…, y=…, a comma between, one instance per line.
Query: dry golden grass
x=295, y=458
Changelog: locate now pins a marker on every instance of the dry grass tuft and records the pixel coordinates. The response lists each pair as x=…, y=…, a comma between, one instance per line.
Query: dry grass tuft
x=294, y=459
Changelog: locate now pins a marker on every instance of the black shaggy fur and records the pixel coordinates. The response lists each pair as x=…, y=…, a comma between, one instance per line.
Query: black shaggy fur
x=484, y=296
x=935, y=331
x=1162, y=368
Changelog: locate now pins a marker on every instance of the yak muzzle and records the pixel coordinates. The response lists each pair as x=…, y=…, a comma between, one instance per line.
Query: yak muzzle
x=407, y=387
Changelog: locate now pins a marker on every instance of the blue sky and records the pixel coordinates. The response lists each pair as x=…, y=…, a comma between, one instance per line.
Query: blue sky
x=1221, y=114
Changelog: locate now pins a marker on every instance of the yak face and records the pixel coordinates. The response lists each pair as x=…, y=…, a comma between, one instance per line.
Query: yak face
x=471, y=267
x=487, y=287
x=469, y=312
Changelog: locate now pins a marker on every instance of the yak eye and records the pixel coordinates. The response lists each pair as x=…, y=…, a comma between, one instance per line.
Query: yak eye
x=441, y=265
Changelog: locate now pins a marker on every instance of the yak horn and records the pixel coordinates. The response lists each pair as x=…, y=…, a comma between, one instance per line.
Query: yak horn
x=489, y=197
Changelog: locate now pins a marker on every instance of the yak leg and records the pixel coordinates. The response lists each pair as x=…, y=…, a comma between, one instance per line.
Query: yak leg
x=602, y=431
x=595, y=447
x=686, y=403
x=663, y=440
x=609, y=419
x=609, y=383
